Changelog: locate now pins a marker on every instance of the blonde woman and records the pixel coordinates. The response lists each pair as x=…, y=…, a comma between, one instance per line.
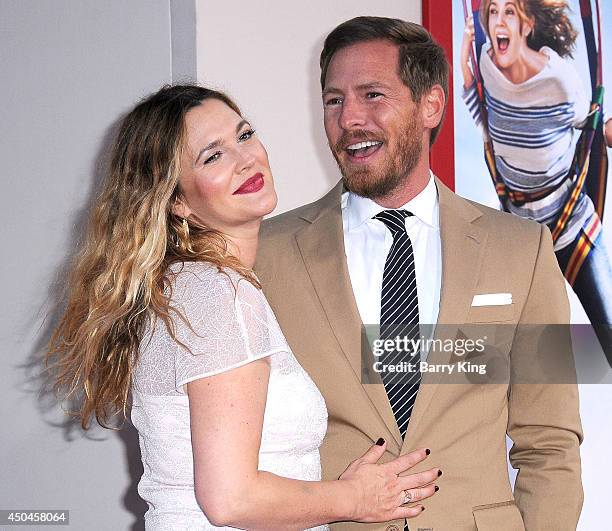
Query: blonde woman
x=164, y=303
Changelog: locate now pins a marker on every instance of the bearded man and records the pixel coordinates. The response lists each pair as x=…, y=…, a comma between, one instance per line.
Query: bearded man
x=391, y=245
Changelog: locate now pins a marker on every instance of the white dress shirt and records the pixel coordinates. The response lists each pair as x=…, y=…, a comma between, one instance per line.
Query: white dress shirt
x=367, y=242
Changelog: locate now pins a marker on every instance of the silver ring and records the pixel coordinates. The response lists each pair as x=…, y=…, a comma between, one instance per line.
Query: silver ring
x=407, y=496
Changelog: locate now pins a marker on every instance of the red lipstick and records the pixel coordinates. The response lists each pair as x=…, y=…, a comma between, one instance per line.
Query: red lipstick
x=251, y=185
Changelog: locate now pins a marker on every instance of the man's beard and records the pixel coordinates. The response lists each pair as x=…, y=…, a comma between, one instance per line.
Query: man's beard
x=382, y=179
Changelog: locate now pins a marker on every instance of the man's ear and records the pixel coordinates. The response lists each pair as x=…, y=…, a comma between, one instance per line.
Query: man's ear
x=432, y=106
x=180, y=207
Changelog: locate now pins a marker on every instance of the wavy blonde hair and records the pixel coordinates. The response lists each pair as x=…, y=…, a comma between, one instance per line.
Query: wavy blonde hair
x=551, y=24
x=120, y=279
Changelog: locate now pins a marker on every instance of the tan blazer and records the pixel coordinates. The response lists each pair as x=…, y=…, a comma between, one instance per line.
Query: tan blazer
x=302, y=266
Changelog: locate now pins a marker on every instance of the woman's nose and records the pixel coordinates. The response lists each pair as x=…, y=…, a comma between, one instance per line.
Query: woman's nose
x=246, y=159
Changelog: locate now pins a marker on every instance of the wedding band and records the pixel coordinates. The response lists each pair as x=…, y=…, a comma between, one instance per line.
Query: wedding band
x=407, y=496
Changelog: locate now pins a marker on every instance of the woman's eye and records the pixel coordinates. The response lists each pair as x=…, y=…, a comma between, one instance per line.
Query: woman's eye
x=215, y=156
x=246, y=135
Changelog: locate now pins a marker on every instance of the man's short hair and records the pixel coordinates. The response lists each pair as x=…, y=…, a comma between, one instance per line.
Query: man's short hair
x=422, y=61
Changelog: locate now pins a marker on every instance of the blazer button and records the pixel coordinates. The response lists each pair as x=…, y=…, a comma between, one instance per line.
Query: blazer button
x=393, y=527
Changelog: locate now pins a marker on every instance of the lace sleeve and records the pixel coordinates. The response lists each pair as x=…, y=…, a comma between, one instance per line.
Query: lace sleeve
x=231, y=323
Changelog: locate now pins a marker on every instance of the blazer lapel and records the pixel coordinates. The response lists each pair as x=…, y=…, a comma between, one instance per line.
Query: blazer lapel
x=322, y=247
x=462, y=253
x=321, y=244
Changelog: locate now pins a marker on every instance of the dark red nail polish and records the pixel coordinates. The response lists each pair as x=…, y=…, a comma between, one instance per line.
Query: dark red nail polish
x=380, y=442
x=427, y=451
x=436, y=489
x=439, y=473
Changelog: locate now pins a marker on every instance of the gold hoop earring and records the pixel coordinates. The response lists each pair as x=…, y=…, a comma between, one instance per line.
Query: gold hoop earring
x=186, y=239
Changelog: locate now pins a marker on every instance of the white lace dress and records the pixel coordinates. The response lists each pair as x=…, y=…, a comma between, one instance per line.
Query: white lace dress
x=232, y=325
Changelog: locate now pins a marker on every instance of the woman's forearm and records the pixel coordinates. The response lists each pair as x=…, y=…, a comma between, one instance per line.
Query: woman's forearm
x=227, y=413
x=608, y=132
x=367, y=491
x=468, y=77
x=466, y=47
x=269, y=501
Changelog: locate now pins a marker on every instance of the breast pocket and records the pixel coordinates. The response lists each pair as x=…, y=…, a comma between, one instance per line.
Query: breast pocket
x=503, y=516
x=491, y=314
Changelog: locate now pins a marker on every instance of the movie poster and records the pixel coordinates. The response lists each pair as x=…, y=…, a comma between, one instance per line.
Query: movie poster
x=523, y=115
x=529, y=139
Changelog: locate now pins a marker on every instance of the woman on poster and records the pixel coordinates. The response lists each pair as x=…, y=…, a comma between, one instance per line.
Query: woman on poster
x=532, y=109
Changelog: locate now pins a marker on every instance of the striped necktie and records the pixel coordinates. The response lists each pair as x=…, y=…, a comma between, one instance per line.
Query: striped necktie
x=399, y=316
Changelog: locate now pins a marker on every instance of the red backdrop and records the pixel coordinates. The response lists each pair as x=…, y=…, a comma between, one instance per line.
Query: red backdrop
x=437, y=18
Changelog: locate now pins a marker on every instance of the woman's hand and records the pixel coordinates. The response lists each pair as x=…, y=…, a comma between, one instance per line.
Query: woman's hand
x=466, y=47
x=380, y=493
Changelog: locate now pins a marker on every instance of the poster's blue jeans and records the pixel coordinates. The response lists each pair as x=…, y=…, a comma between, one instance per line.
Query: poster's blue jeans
x=593, y=286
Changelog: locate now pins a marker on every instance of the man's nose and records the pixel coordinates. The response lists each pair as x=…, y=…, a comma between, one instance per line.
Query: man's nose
x=353, y=115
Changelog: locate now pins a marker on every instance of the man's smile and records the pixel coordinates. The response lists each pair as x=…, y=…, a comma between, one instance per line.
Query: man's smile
x=362, y=151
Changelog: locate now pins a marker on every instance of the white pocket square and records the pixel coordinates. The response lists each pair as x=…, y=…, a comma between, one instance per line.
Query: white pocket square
x=492, y=299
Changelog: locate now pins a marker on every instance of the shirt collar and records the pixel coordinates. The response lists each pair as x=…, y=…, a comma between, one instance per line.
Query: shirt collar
x=423, y=206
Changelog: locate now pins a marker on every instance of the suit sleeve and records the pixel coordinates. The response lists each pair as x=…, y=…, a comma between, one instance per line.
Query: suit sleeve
x=543, y=420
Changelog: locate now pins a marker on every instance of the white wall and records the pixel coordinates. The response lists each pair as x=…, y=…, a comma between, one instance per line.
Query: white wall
x=266, y=55
x=70, y=68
